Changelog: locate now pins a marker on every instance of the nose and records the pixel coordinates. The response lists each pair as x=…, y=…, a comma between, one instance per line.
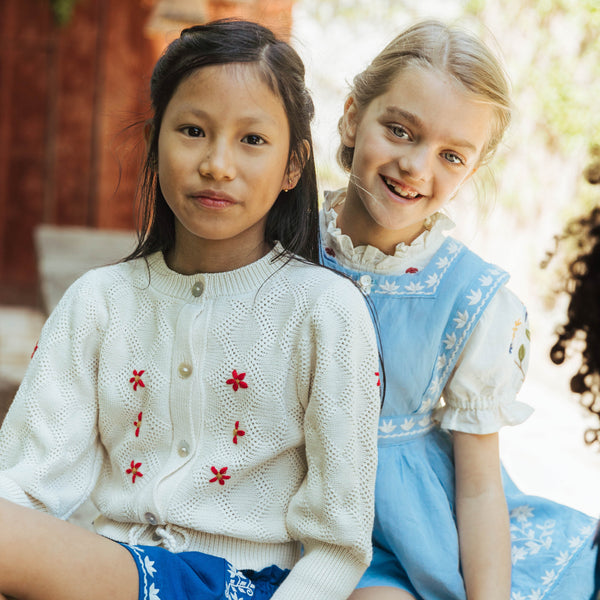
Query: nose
x=217, y=162
x=415, y=162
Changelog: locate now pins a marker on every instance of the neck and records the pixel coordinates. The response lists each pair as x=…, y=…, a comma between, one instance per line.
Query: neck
x=196, y=255
x=356, y=222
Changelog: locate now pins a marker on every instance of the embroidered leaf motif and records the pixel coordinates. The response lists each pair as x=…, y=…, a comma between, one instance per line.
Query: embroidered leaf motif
x=149, y=564
x=407, y=425
x=443, y=262
x=521, y=352
x=387, y=427
x=453, y=248
x=450, y=340
x=432, y=280
x=486, y=280
x=462, y=319
x=153, y=593
x=414, y=286
x=388, y=286
x=475, y=297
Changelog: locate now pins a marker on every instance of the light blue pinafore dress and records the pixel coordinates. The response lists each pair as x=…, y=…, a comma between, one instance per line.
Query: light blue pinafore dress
x=425, y=319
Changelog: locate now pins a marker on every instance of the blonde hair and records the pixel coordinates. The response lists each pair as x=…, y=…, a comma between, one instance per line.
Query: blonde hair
x=454, y=51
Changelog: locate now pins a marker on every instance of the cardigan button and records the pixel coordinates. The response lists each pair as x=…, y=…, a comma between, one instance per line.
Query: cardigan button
x=151, y=518
x=365, y=283
x=197, y=289
x=184, y=449
x=184, y=370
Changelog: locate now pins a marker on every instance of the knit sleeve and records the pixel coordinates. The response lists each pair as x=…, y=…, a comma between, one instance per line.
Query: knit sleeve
x=332, y=512
x=480, y=396
x=49, y=454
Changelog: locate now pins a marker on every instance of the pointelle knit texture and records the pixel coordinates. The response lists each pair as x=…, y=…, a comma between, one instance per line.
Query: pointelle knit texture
x=231, y=413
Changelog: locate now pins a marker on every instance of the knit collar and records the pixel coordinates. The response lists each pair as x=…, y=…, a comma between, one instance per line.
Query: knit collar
x=369, y=258
x=244, y=280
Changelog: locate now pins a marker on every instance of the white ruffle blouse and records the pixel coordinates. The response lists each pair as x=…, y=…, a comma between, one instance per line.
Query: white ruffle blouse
x=480, y=395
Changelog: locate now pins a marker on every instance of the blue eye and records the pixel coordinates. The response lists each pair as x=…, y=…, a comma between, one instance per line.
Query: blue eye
x=253, y=140
x=453, y=159
x=193, y=131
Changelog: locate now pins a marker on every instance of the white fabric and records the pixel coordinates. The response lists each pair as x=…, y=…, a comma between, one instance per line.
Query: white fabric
x=304, y=468
x=480, y=395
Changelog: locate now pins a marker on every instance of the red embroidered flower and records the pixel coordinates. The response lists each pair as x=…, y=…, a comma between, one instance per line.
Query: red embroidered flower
x=411, y=270
x=138, y=424
x=34, y=351
x=134, y=471
x=237, y=381
x=378, y=380
x=237, y=431
x=137, y=379
x=219, y=475
x=330, y=251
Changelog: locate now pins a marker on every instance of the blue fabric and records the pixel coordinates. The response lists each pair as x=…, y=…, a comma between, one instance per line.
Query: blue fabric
x=166, y=575
x=415, y=534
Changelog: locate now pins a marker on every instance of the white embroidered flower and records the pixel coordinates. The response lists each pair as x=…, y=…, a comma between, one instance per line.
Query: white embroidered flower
x=388, y=286
x=563, y=558
x=536, y=595
x=432, y=280
x=521, y=513
x=486, y=280
x=494, y=272
x=443, y=262
x=462, y=319
x=442, y=361
x=549, y=577
x=575, y=542
x=407, y=424
x=517, y=596
x=414, y=286
x=587, y=530
x=518, y=553
x=387, y=427
x=153, y=593
x=475, y=297
x=450, y=340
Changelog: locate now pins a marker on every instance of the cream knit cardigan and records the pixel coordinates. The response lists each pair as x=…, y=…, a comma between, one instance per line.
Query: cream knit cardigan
x=231, y=413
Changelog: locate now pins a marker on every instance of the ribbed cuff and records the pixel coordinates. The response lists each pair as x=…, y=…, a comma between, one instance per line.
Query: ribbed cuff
x=323, y=573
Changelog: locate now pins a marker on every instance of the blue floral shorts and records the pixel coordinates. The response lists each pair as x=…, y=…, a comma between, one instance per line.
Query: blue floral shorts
x=167, y=575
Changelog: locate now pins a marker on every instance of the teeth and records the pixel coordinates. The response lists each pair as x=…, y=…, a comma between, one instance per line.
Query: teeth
x=400, y=191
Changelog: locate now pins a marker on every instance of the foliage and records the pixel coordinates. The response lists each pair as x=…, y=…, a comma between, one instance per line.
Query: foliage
x=62, y=10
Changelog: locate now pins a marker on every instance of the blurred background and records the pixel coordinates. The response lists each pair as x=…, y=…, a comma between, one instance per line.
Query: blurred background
x=74, y=78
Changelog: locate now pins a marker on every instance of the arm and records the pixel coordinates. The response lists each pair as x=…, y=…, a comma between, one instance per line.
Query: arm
x=332, y=511
x=482, y=517
x=49, y=455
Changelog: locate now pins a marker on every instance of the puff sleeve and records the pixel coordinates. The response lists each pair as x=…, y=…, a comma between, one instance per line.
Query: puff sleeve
x=480, y=396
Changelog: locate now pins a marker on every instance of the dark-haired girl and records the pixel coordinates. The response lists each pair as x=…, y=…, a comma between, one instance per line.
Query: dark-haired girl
x=215, y=394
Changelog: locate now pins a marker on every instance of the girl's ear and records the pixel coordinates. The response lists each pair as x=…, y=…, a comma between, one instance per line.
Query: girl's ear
x=349, y=123
x=296, y=166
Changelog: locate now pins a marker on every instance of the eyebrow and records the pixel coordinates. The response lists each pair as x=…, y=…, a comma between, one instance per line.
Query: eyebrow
x=248, y=121
x=394, y=112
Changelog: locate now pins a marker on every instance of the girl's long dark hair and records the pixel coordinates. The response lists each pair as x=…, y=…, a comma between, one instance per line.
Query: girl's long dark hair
x=293, y=219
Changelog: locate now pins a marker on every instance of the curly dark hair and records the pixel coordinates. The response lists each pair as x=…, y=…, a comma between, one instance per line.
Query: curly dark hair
x=583, y=317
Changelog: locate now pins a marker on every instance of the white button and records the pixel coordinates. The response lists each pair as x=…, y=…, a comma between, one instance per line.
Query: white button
x=184, y=449
x=197, y=289
x=156, y=537
x=185, y=370
x=151, y=518
x=365, y=280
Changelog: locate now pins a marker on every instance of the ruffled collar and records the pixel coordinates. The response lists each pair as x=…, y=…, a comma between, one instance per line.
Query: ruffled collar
x=368, y=258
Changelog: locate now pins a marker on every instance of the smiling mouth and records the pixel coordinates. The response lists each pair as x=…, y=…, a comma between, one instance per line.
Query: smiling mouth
x=400, y=190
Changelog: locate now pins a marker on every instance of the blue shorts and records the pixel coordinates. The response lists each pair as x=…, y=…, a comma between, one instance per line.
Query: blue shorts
x=166, y=575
